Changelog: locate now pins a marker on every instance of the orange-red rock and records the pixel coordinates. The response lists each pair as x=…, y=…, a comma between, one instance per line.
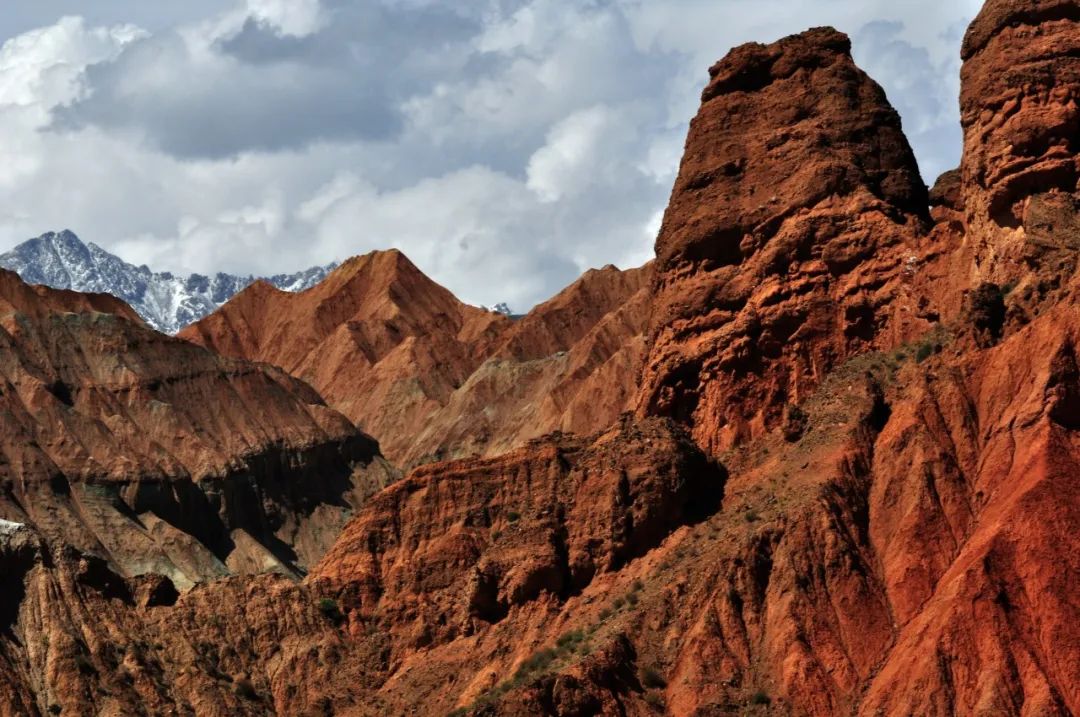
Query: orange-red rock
x=796, y=208
x=900, y=542
x=161, y=455
x=432, y=378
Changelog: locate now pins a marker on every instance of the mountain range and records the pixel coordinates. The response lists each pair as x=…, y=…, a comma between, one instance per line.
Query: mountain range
x=166, y=302
x=818, y=457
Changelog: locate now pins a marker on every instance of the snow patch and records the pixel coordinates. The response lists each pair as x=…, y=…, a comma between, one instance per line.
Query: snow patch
x=166, y=301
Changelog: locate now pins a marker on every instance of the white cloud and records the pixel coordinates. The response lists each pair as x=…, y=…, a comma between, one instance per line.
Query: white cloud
x=297, y=18
x=504, y=146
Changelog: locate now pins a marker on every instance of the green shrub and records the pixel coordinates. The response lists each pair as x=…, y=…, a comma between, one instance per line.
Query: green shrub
x=617, y=603
x=637, y=586
x=569, y=640
x=760, y=698
x=750, y=516
x=631, y=599
x=605, y=614
x=656, y=701
x=330, y=609
x=539, y=662
x=652, y=679
x=513, y=516
x=245, y=689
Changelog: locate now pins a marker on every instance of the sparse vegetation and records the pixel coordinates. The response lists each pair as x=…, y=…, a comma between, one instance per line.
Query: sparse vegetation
x=513, y=516
x=245, y=689
x=924, y=351
x=330, y=609
x=537, y=663
x=652, y=679
x=637, y=586
x=656, y=701
x=760, y=698
x=631, y=599
x=570, y=640
x=751, y=516
x=618, y=603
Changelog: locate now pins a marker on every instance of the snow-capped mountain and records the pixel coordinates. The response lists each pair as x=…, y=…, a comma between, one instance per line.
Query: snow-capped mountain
x=167, y=302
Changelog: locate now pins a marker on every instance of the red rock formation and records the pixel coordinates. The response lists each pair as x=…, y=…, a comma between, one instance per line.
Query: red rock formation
x=570, y=365
x=974, y=485
x=433, y=378
x=900, y=542
x=80, y=640
x=160, y=455
x=784, y=246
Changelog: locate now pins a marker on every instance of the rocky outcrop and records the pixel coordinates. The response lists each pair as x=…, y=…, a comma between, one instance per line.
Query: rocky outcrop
x=1020, y=81
x=785, y=243
x=160, y=455
x=973, y=483
x=571, y=364
x=82, y=640
x=433, y=378
x=458, y=544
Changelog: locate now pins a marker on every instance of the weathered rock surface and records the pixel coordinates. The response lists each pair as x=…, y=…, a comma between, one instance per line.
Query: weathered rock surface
x=160, y=455
x=866, y=512
x=433, y=378
x=78, y=639
x=796, y=208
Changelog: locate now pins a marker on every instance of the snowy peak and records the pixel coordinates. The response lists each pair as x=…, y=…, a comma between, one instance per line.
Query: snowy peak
x=166, y=301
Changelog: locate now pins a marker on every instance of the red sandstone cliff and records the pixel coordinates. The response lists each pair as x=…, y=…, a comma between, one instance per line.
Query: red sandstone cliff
x=784, y=245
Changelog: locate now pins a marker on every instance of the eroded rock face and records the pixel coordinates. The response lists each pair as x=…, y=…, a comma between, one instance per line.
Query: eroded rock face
x=1020, y=81
x=457, y=544
x=161, y=455
x=83, y=641
x=432, y=378
x=797, y=203
x=973, y=487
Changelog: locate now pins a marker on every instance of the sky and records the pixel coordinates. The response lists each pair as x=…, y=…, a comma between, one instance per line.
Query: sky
x=505, y=146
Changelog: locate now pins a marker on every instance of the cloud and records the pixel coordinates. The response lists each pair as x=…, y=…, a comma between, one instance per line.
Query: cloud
x=504, y=145
x=191, y=100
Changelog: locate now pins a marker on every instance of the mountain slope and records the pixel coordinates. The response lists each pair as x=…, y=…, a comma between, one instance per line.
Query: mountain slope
x=167, y=302
x=161, y=456
x=433, y=378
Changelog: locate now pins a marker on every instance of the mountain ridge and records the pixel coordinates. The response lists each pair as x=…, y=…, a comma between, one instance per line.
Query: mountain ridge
x=166, y=301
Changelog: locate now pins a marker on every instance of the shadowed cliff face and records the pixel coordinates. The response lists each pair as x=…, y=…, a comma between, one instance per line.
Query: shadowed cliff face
x=797, y=204
x=859, y=496
x=160, y=455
